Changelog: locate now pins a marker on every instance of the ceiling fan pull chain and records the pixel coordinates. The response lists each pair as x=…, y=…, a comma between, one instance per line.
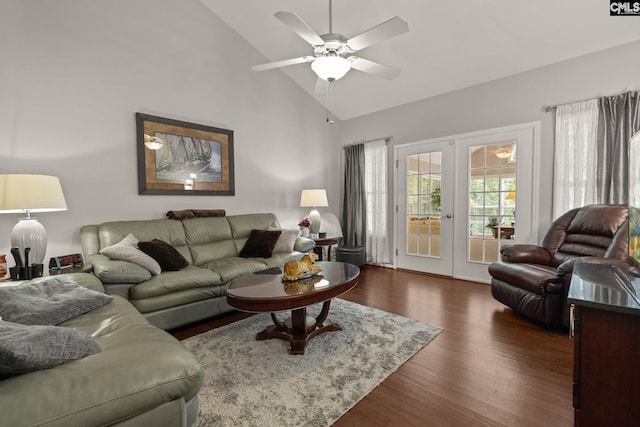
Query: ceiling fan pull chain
x=329, y=96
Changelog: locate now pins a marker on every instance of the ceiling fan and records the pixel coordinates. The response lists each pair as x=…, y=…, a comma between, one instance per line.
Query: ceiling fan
x=332, y=52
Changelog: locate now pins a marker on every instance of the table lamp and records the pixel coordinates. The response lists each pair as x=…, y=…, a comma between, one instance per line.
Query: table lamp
x=314, y=198
x=30, y=193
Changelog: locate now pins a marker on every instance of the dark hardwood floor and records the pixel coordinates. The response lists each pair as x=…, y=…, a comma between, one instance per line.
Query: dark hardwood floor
x=488, y=368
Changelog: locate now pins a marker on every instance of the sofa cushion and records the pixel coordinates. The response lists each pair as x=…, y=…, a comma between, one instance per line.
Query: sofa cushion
x=169, y=230
x=48, y=302
x=25, y=348
x=232, y=267
x=113, y=271
x=168, y=282
x=241, y=226
x=127, y=250
x=166, y=255
x=286, y=241
x=205, y=230
x=179, y=299
x=260, y=243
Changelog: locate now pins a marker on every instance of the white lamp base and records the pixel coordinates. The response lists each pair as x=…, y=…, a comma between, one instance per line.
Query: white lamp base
x=314, y=217
x=29, y=233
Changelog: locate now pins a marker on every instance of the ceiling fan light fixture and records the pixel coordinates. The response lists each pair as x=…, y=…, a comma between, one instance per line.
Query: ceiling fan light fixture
x=331, y=67
x=503, y=153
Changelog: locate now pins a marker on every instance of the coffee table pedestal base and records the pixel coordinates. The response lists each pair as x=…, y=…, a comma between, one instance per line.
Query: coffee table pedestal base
x=299, y=328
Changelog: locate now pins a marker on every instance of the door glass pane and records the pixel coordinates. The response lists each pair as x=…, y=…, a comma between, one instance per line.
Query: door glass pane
x=424, y=179
x=492, y=199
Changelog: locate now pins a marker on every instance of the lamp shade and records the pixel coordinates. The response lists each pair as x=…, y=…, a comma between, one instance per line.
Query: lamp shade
x=31, y=193
x=331, y=67
x=313, y=198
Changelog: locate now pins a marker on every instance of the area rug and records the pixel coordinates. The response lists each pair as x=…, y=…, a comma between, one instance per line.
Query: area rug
x=258, y=383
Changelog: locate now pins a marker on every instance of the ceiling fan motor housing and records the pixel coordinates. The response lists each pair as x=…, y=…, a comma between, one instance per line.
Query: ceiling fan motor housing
x=334, y=44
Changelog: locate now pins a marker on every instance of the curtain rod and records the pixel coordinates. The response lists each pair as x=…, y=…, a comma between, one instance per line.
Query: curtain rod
x=386, y=141
x=550, y=108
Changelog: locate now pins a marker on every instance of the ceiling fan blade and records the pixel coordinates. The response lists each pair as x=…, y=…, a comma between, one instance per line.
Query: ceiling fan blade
x=284, y=63
x=373, y=68
x=294, y=22
x=388, y=29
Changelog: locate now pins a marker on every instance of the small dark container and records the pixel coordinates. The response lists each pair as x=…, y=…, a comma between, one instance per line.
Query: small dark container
x=26, y=273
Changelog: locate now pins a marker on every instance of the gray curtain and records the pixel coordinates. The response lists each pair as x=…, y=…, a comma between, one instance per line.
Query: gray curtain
x=354, y=203
x=618, y=121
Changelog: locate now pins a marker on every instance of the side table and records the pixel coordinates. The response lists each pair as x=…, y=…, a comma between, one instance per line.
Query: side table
x=323, y=242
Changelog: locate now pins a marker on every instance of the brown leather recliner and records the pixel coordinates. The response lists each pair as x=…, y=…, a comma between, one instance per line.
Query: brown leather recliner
x=534, y=280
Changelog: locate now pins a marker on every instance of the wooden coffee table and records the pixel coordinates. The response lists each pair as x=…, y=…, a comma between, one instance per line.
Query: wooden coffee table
x=267, y=293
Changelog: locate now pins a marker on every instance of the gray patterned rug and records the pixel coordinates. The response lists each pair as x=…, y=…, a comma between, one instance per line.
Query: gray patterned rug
x=258, y=383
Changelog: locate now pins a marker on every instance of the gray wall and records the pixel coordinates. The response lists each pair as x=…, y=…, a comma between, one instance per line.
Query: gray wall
x=516, y=99
x=73, y=74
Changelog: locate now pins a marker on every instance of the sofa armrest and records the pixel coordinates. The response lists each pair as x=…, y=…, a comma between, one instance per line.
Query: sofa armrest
x=523, y=253
x=87, y=280
x=304, y=244
x=112, y=271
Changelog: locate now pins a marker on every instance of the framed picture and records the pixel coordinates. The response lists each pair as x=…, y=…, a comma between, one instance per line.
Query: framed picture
x=180, y=158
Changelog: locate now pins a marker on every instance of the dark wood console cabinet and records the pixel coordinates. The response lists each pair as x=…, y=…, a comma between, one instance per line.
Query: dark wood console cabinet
x=606, y=329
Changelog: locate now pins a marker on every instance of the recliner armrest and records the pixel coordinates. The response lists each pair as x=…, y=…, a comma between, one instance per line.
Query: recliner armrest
x=567, y=266
x=524, y=253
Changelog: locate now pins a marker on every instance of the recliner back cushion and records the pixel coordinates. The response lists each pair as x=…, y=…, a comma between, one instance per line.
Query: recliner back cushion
x=591, y=232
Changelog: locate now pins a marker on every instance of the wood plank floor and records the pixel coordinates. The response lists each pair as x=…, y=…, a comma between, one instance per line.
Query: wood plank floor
x=488, y=368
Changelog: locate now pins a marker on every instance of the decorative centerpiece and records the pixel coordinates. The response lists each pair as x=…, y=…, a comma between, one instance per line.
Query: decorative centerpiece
x=304, y=226
x=301, y=269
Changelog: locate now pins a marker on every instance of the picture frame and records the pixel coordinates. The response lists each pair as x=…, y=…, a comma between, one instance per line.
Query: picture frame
x=187, y=159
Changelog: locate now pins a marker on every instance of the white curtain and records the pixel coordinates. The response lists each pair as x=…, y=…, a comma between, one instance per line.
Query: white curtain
x=575, y=182
x=375, y=166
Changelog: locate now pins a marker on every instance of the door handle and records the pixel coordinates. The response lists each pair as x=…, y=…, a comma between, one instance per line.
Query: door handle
x=449, y=215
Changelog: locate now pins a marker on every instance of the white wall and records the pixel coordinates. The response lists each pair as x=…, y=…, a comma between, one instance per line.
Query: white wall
x=73, y=74
x=513, y=100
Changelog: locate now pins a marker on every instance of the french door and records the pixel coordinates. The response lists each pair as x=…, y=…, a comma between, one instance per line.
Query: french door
x=425, y=189
x=460, y=199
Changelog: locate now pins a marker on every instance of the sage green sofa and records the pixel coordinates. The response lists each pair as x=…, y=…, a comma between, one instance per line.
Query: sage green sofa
x=141, y=377
x=211, y=245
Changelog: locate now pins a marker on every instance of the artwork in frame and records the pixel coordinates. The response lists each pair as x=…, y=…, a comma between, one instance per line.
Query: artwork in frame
x=189, y=159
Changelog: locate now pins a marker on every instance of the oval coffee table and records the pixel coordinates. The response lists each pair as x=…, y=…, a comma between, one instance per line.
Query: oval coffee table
x=267, y=293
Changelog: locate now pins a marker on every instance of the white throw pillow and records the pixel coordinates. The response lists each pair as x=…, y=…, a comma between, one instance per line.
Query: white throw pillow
x=286, y=241
x=127, y=250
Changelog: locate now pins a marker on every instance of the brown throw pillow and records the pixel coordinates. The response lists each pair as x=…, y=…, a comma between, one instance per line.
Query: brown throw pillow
x=166, y=255
x=260, y=244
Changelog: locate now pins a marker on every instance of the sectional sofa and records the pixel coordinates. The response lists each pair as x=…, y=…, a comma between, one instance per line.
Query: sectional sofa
x=138, y=376
x=212, y=248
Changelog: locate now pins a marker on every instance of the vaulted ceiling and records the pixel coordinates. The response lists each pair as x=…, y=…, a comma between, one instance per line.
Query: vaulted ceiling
x=449, y=46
